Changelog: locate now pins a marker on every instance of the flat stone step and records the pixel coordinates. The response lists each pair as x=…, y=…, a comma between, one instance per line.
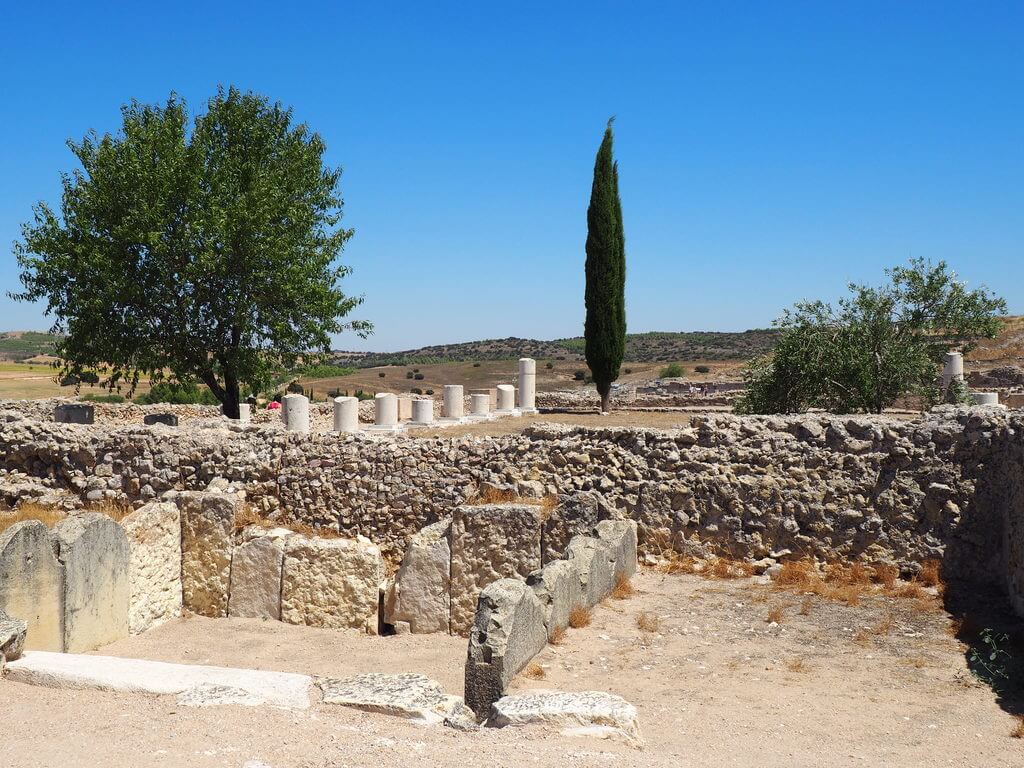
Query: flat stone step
x=408, y=695
x=194, y=685
x=587, y=713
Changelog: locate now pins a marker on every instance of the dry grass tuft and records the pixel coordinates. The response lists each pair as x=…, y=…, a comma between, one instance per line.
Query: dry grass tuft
x=910, y=590
x=492, y=495
x=805, y=606
x=884, y=626
x=917, y=662
x=115, y=510
x=246, y=515
x=674, y=563
x=796, y=665
x=725, y=568
x=535, y=671
x=580, y=617
x=862, y=637
x=776, y=614
x=557, y=636
x=31, y=510
x=930, y=574
x=624, y=589
x=648, y=622
x=796, y=573
x=886, y=575
x=1018, y=729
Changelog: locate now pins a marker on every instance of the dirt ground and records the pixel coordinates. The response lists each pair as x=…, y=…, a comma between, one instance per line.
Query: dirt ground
x=509, y=426
x=715, y=683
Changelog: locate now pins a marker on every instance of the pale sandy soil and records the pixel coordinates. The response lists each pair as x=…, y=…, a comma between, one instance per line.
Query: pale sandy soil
x=715, y=685
x=509, y=426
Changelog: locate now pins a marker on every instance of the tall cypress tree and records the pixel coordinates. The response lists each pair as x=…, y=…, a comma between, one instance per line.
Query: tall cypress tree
x=605, y=327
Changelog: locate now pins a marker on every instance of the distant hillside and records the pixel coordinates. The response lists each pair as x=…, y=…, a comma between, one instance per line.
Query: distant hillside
x=21, y=345
x=640, y=348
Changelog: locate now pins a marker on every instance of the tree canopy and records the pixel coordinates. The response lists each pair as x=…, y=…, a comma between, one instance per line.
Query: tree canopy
x=878, y=344
x=604, y=329
x=204, y=252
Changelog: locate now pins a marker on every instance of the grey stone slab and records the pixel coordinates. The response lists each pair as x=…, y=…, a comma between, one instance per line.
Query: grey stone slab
x=421, y=593
x=32, y=584
x=406, y=695
x=557, y=586
x=592, y=713
x=12, y=638
x=594, y=562
x=620, y=536
x=74, y=413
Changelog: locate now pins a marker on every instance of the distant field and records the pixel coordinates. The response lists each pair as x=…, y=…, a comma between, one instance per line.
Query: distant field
x=19, y=345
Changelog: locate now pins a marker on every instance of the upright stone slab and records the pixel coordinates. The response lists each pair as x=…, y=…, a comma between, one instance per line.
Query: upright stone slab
x=557, y=586
x=454, y=402
x=332, y=583
x=296, y=413
x=508, y=630
x=985, y=398
x=420, y=597
x=594, y=562
x=506, y=398
x=207, y=520
x=490, y=542
x=95, y=553
x=620, y=536
x=422, y=412
x=74, y=413
x=154, y=569
x=404, y=408
x=32, y=584
x=244, y=413
x=256, y=570
x=169, y=419
x=575, y=514
x=346, y=414
x=527, y=385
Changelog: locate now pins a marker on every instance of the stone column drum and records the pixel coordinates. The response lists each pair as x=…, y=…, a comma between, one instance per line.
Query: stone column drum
x=953, y=369
x=506, y=398
x=454, y=406
x=480, y=405
x=422, y=411
x=346, y=414
x=385, y=410
x=527, y=385
x=296, y=413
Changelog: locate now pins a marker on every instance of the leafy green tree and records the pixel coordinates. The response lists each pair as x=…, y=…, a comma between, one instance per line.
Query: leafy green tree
x=604, y=329
x=203, y=254
x=879, y=344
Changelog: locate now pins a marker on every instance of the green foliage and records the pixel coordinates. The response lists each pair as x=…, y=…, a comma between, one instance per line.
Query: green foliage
x=549, y=366
x=989, y=662
x=209, y=252
x=359, y=394
x=20, y=346
x=579, y=375
x=879, y=344
x=108, y=398
x=323, y=371
x=702, y=369
x=604, y=329
x=178, y=393
x=672, y=371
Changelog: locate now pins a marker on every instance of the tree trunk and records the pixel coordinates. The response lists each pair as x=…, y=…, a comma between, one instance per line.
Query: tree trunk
x=606, y=400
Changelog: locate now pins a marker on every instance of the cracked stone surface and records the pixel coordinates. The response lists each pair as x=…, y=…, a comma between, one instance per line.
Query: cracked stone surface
x=408, y=695
x=592, y=713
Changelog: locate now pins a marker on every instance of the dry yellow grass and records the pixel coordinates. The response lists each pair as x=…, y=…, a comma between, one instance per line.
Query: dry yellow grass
x=116, y=511
x=805, y=606
x=491, y=495
x=557, y=636
x=776, y=614
x=648, y=622
x=726, y=568
x=535, y=671
x=884, y=626
x=930, y=574
x=30, y=510
x=1018, y=728
x=624, y=589
x=796, y=665
x=579, y=617
x=886, y=575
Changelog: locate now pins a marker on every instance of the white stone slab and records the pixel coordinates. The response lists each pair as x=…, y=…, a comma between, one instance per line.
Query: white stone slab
x=406, y=695
x=196, y=685
x=590, y=713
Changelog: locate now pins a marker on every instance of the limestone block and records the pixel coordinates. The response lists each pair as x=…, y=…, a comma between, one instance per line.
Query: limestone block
x=420, y=595
x=575, y=514
x=404, y=408
x=411, y=696
x=557, y=586
x=154, y=568
x=527, y=384
x=12, y=638
x=74, y=413
x=32, y=584
x=620, y=536
x=160, y=418
x=331, y=583
x=593, y=561
x=506, y=398
x=508, y=630
x=490, y=542
x=593, y=713
x=296, y=412
x=346, y=414
x=256, y=568
x=207, y=520
x=454, y=403
x=95, y=553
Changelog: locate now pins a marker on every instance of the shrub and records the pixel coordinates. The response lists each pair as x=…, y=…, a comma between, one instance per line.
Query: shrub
x=360, y=395
x=93, y=398
x=648, y=622
x=579, y=375
x=428, y=392
x=702, y=368
x=408, y=374
x=623, y=588
x=672, y=371
x=627, y=371
x=476, y=365
x=416, y=391
x=381, y=374
x=418, y=376
x=549, y=366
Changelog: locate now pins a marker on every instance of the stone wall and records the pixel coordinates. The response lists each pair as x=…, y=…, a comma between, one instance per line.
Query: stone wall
x=828, y=486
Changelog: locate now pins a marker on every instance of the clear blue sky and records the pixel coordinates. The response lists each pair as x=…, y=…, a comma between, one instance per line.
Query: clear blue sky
x=768, y=151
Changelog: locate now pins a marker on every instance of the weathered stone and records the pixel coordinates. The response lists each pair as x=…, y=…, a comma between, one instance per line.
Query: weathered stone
x=406, y=695
x=490, y=542
x=154, y=571
x=420, y=594
x=95, y=553
x=575, y=514
x=557, y=586
x=168, y=419
x=593, y=561
x=12, y=638
x=331, y=583
x=620, y=536
x=508, y=630
x=591, y=713
x=74, y=413
x=32, y=584
x=207, y=520
x=256, y=568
